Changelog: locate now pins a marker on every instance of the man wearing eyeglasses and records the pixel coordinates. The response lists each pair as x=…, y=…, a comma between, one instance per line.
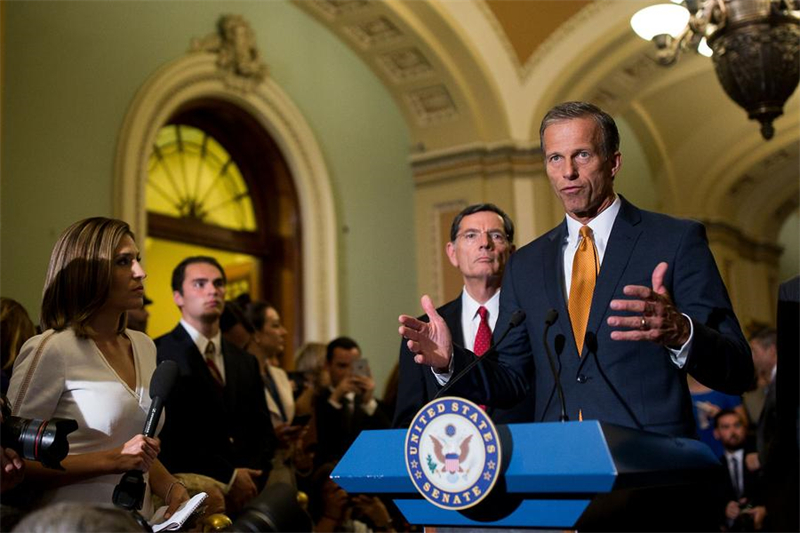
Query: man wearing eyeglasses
x=481, y=242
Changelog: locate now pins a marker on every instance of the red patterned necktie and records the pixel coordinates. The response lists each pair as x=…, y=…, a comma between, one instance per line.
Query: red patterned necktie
x=483, y=339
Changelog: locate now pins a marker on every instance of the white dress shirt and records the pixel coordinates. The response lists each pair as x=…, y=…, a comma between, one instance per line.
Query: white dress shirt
x=470, y=319
x=601, y=226
x=201, y=342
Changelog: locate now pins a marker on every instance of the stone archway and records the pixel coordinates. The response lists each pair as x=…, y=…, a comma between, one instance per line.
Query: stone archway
x=202, y=74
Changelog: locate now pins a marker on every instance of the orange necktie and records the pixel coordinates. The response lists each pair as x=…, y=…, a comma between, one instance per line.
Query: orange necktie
x=585, y=267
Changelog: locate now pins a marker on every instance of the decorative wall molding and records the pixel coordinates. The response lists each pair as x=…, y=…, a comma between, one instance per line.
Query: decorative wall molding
x=487, y=161
x=238, y=57
x=373, y=32
x=406, y=64
x=744, y=246
x=432, y=105
x=198, y=75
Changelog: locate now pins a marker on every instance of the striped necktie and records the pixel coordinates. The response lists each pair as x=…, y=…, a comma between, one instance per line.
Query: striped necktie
x=212, y=366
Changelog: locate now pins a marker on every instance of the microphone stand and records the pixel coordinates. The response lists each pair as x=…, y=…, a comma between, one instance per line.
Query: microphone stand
x=517, y=317
x=550, y=319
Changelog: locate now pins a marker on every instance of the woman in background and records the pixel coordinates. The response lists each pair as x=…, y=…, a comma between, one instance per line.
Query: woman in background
x=86, y=366
x=15, y=328
x=269, y=341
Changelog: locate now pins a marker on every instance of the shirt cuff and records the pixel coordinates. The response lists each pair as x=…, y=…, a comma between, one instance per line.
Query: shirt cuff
x=680, y=355
x=230, y=483
x=442, y=378
x=370, y=407
x=334, y=403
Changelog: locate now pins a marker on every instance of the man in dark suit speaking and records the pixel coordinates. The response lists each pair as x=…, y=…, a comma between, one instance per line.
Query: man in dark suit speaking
x=639, y=298
x=217, y=420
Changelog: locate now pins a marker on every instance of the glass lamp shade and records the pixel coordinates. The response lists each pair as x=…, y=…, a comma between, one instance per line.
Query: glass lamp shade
x=660, y=19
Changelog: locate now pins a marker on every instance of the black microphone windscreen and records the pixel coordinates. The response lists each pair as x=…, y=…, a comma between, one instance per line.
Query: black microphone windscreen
x=551, y=317
x=163, y=379
x=517, y=318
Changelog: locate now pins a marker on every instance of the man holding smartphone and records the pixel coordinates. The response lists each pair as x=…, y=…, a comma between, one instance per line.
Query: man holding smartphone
x=349, y=405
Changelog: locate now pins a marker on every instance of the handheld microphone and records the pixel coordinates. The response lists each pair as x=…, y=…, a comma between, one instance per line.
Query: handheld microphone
x=164, y=378
x=517, y=318
x=549, y=320
x=129, y=492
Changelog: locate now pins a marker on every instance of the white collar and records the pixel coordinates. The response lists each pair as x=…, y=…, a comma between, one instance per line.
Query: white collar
x=601, y=226
x=469, y=306
x=200, y=340
x=739, y=454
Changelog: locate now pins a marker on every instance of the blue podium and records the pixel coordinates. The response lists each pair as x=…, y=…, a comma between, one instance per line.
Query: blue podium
x=555, y=475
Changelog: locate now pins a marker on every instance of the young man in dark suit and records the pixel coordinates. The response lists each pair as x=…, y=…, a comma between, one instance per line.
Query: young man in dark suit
x=639, y=299
x=217, y=422
x=481, y=241
x=348, y=406
x=743, y=498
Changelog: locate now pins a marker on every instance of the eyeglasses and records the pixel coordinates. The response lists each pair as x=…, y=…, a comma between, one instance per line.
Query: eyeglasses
x=473, y=237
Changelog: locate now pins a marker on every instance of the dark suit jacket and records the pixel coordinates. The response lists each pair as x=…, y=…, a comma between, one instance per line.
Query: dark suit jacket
x=632, y=384
x=752, y=482
x=417, y=384
x=779, y=424
x=335, y=432
x=211, y=430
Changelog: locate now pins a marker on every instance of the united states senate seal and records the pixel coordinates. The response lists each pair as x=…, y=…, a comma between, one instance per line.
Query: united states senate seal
x=453, y=453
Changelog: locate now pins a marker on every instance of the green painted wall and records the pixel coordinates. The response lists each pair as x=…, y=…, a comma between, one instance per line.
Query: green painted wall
x=71, y=70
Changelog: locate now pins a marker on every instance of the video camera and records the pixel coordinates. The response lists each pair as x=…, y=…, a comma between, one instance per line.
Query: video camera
x=35, y=439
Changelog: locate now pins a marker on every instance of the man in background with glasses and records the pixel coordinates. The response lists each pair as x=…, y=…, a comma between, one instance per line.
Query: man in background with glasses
x=481, y=241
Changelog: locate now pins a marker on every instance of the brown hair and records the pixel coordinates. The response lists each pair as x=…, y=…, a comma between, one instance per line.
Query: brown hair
x=573, y=110
x=15, y=328
x=79, y=275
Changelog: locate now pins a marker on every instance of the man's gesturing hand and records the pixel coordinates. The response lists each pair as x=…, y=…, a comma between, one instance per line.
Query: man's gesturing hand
x=430, y=341
x=656, y=320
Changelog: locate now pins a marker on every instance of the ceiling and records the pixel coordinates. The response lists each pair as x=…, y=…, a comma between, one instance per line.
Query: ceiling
x=482, y=73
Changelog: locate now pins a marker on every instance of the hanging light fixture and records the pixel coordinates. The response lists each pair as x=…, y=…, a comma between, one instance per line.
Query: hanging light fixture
x=755, y=46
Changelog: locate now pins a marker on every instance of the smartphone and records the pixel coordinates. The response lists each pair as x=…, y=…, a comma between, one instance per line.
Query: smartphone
x=301, y=420
x=361, y=368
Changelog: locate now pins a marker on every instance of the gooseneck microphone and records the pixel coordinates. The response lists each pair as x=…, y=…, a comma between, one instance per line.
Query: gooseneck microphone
x=129, y=492
x=549, y=320
x=517, y=318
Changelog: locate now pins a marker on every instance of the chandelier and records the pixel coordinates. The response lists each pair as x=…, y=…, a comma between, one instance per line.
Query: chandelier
x=754, y=45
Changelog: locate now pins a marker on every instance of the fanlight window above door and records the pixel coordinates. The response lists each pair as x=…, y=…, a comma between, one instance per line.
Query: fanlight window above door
x=191, y=176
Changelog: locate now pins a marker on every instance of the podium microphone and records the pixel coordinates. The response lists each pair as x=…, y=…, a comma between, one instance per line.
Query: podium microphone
x=129, y=492
x=549, y=320
x=517, y=318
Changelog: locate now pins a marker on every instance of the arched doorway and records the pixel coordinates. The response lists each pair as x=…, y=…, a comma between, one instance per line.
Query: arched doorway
x=218, y=183
x=193, y=81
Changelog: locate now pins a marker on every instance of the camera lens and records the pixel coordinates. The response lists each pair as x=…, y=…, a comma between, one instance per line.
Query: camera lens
x=39, y=440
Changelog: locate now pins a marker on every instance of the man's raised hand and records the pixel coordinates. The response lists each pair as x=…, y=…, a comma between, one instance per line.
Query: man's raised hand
x=431, y=341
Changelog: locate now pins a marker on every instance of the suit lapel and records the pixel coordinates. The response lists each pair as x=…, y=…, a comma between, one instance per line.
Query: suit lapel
x=624, y=235
x=453, y=320
x=196, y=359
x=553, y=267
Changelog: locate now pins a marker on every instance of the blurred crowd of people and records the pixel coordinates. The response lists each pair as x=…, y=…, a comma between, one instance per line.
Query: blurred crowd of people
x=235, y=423
x=237, y=420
